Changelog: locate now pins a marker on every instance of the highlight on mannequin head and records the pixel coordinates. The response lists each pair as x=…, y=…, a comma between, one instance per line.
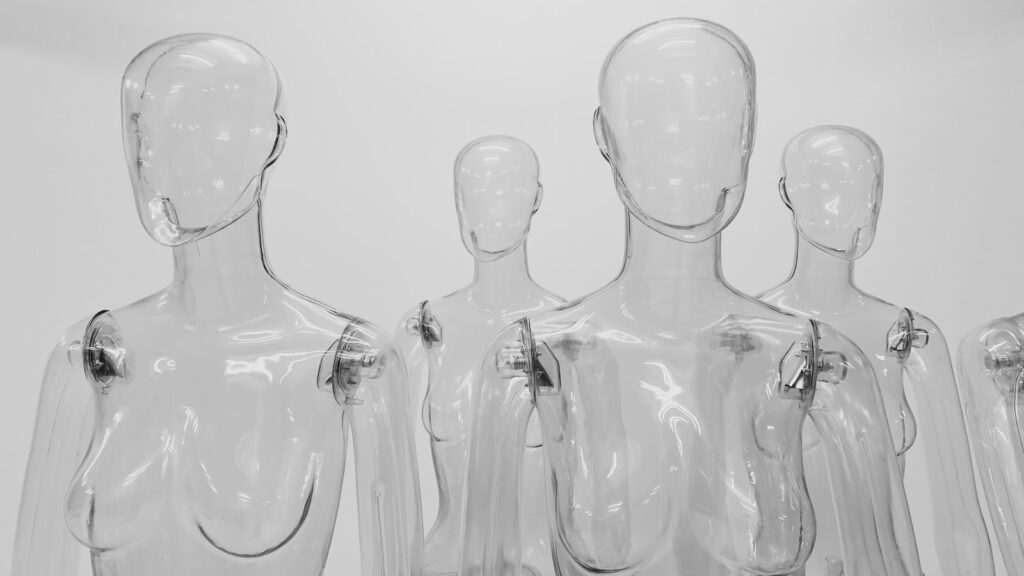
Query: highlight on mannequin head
x=202, y=122
x=497, y=192
x=832, y=181
x=676, y=123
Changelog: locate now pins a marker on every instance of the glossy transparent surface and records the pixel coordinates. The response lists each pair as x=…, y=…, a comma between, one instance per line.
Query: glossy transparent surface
x=991, y=361
x=497, y=192
x=203, y=429
x=832, y=182
x=672, y=406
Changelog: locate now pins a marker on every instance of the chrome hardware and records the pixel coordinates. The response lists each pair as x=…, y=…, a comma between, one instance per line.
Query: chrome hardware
x=903, y=336
x=346, y=363
x=1004, y=360
x=804, y=365
x=104, y=359
x=425, y=325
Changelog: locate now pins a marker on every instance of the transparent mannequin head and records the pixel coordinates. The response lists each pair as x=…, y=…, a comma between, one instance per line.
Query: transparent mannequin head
x=202, y=122
x=497, y=192
x=676, y=123
x=832, y=181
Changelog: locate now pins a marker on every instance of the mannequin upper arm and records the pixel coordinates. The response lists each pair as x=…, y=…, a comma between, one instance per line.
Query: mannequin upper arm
x=44, y=545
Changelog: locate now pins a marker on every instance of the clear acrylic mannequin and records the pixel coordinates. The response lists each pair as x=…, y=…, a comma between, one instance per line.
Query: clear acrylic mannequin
x=991, y=361
x=497, y=192
x=671, y=406
x=832, y=183
x=202, y=430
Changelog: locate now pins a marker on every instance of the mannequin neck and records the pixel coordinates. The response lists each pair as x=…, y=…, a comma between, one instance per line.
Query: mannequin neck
x=822, y=277
x=651, y=255
x=505, y=277
x=225, y=273
x=669, y=282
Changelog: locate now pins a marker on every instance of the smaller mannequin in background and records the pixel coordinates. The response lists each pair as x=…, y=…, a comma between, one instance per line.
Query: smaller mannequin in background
x=832, y=182
x=991, y=360
x=497, y=192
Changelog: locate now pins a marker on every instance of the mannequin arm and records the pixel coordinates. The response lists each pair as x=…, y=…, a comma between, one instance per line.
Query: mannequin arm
x=43, y=544
x=501, y=408
x=961, y=537
x=410, y=346
x=390, y=523
x=871, y=506
x=991, y=403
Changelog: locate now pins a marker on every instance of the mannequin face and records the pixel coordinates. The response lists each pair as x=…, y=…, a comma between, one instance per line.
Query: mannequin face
x=201, y=125
x=832, y=181
x=676, y=123
x=497, y=192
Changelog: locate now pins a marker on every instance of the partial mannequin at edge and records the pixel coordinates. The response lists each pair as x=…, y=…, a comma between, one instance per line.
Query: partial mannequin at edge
x=497, y=192
x=202, y=430
x=672, y=406
x=832, y=183
x=991, y=362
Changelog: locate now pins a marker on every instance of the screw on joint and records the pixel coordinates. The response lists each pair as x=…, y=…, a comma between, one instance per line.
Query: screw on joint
x=512, y=361
x=832, y=367
x=796, y=373
x=738, y=341
x=104, y=359
x=523, y=357
x=998, y=361
x=903, y=336
x=352, y=368
x=804, y=365
x=1004, y=360
x=424, y=325
x=347, y=362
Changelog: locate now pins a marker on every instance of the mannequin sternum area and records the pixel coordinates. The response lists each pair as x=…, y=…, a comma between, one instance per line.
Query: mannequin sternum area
x=820, y=281
x=503, y=281
x=225, y=275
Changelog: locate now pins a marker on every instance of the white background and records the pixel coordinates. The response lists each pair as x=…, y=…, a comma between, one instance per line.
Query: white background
x=381, y=96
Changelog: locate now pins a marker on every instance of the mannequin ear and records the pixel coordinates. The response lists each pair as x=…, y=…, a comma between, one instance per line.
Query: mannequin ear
x=540, y=196
x=599, y=137
x=279, y=141
x=784, y=194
